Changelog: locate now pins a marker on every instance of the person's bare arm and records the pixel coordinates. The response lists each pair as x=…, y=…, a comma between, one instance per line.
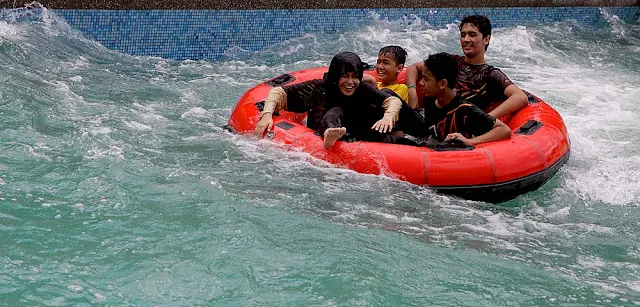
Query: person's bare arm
x=276, y=101
x=413, y=75
x=499, y=131
x=516, y=99
x=370, y=79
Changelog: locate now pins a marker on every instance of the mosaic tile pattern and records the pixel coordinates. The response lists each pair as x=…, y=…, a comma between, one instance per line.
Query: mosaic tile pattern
x=305, y=4
x=207, y=34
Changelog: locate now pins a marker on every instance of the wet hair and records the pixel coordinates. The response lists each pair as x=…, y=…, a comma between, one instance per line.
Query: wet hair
x=482, y=22
x=397, y=53
x=443, y=66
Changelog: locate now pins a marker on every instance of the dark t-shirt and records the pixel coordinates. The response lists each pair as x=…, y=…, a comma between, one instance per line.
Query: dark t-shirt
x=311, y=96
x=458, y=116
x=480, y=84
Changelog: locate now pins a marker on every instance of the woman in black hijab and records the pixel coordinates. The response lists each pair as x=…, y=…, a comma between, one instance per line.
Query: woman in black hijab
x=337, y=104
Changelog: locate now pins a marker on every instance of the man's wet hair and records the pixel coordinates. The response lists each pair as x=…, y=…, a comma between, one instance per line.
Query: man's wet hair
x=482, y=22
x=397, y=53
x=443, y=66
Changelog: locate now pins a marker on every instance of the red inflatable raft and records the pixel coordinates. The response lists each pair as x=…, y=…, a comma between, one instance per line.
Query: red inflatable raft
x=492, y=172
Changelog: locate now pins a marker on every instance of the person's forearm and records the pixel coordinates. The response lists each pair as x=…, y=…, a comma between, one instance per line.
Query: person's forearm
x=412, y=77
x=495, y=134
x=370, y=79
x=414, y=100
x=413, y=73
x=515, y=102
x=276, y=101
x=392, y=107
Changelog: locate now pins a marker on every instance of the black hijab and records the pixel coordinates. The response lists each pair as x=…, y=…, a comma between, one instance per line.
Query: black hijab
x=342, y=63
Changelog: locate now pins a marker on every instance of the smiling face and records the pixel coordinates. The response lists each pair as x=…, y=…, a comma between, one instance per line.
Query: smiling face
x=348, y=83
x=387, y=69
x=472, y=41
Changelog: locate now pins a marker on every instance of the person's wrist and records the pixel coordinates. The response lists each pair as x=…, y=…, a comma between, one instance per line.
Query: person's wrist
x=410, y=86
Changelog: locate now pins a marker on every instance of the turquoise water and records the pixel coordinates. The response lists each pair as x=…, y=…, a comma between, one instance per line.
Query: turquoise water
x=118, y=185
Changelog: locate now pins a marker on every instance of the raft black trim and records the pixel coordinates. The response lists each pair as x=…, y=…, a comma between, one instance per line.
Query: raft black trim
x=260, y=106
x=285, y=125
x=280, y=80
x=230, y=129
x=508, y=190
x=529, y=128
x=451, y=145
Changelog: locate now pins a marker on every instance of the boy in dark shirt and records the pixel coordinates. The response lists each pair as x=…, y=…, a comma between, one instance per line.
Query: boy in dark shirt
x=447, y=115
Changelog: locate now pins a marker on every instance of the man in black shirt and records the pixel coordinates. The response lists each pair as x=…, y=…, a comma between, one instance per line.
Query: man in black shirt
x=447, y=115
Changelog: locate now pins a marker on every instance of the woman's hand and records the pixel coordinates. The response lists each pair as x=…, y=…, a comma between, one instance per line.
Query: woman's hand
x=383, y=126
x=265, y=124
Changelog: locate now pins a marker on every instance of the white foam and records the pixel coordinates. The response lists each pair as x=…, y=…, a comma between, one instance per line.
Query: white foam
x=291, y=50
x=407, y=219
x=616, y=24
x=112, y=151
x=9, y=32
x=591, y=262
x=196, y=112
x=99, y=296
x=77, y=63
x=137, y=126
x=385, y=215
x=76, y=78
x=634, y=285
x=68, y=95
x=495, y=225
x=561, y=213
x=100, y=130
x=592, y=228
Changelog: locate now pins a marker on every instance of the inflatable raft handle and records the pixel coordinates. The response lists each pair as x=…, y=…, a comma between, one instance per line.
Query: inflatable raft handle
x=229, y=128
x=531, y=98
x=280, y=80
x=260, y=106
x=529, y=127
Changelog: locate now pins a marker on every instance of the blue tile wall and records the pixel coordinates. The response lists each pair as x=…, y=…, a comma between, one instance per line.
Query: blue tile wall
x=206, y=34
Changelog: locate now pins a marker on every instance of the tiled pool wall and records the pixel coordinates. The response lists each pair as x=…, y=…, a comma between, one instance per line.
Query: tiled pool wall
x=207, y=34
